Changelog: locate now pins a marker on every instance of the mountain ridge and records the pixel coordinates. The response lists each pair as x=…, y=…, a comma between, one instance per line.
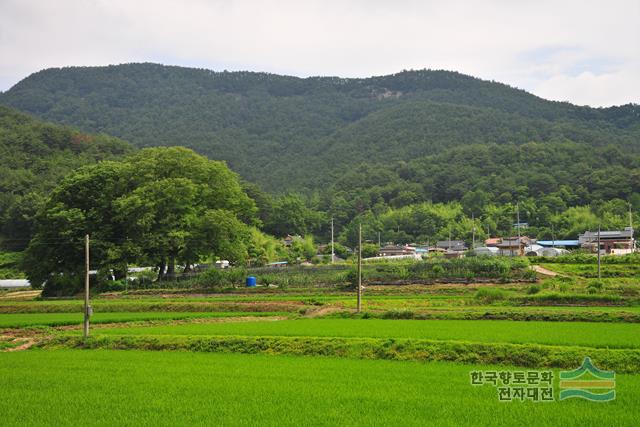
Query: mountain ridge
x=292, y=133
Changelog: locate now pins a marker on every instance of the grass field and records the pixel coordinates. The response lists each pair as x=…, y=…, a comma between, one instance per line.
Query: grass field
x=591, y=270
x=612, y=335
x=58, y=319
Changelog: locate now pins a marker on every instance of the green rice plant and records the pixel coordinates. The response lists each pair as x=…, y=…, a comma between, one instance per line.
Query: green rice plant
x=525, y=355
x=585, y=334
x=125, y=388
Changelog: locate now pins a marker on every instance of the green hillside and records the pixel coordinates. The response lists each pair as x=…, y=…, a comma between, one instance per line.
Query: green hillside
x=287, y=133
x=35, y=156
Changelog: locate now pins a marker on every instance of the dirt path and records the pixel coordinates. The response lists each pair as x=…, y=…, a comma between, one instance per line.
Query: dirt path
x=18, y=342
x=20, y=295
x=323, y=311
x=544, y=271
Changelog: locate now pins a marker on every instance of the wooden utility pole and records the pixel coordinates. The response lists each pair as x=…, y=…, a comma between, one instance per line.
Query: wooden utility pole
x=518, y=219
x=473, y=232
x=87, y=307
x=332, y=250
x=599, y=276
x=631, y=229
x=359, y=304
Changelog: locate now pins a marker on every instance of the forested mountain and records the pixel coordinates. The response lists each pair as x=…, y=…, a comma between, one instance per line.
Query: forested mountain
x=35, y=157
x=288, y=133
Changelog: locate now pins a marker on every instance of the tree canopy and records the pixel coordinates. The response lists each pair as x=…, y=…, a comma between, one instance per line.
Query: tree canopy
x=35, y=156
x=157, y=206
x=291, y=134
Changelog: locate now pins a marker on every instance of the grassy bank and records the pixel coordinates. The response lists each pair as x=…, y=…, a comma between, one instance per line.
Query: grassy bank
x=524, y=355
x=613, y=335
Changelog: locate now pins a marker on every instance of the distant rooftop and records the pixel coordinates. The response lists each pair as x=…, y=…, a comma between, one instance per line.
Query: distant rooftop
x=559, y=242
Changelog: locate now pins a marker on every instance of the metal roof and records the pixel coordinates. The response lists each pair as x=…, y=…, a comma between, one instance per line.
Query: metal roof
x=559, y=242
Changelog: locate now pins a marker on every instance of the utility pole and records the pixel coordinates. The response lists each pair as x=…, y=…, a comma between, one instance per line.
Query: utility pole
x=449, y=239
x=87, y=307
x=359, y=305
x=518, y=223
x=473, y=232
x=599, y=276
x=379, y=244
x=332, y=249
x=631, y=229
x=553, y=237
x=518, y=226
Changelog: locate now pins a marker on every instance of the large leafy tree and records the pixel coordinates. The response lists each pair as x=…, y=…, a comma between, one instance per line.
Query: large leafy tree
x=159, y=206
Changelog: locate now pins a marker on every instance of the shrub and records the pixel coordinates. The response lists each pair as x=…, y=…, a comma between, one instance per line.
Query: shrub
x=490, y=295
x=61, y=285
x=595, y=287
x=398, y=314
x=217, y=278
x=438, y=270
x=351, y=277
x=533, y=289
x=112, y=285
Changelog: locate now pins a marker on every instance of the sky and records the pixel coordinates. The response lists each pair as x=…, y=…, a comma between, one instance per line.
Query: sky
x=585, y=52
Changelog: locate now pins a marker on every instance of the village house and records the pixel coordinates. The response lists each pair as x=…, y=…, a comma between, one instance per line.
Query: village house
x=611, y=242
x=562, y=244
x=492, y=242
x=396, y=250
x=486, y=251
x=452, y=245
x=514, y=246
x=289, y=239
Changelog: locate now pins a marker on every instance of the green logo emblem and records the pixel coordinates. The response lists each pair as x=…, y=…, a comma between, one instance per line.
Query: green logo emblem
x=588, y=382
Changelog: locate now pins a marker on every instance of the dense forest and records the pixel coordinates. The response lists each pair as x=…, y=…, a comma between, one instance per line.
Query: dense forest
x=414, y=156
x=35, y=157
x=292, y=134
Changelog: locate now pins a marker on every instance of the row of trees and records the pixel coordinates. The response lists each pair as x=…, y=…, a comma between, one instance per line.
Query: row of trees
x=169, y=206
x=429, y=222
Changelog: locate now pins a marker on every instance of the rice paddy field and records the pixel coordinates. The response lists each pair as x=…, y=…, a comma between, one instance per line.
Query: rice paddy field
x=19, y=320
x=98, y=387
x=304, y=357
x=586, y=334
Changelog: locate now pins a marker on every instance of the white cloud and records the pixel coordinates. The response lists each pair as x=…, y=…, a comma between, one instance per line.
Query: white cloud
x=591, y=89
x=555, y=49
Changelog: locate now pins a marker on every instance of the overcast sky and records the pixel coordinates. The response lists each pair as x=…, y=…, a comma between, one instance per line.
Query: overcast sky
x=585, y=52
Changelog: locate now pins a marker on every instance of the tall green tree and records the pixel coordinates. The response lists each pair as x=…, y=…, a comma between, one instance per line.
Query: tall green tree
x=158, y=206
